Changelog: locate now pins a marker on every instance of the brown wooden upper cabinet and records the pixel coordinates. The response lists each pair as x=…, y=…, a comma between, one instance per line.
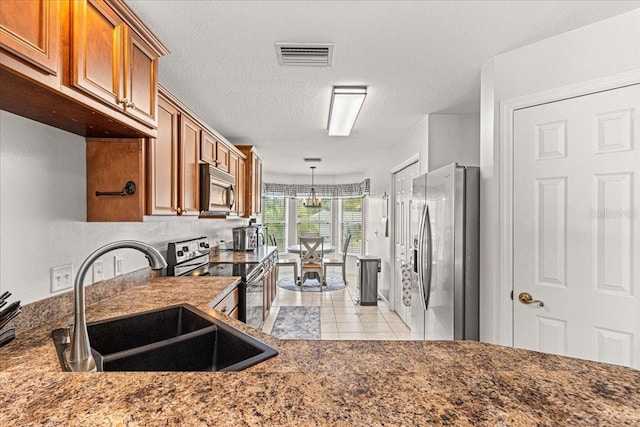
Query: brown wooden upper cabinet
x=252, y=182
x=98, y=60
x=214, y=151
x=110, y=62
x=237, y=168
x=29, y=30
x=172, y=163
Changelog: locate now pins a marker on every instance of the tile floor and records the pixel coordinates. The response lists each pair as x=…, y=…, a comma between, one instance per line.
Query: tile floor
x=340, y=317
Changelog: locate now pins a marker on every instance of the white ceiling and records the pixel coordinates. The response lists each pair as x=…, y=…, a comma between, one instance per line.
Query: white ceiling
x=416, y=57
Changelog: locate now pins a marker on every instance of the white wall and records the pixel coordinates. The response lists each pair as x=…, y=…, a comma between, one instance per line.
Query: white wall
x=453, y=138
x=602, y=49
x=43, y=211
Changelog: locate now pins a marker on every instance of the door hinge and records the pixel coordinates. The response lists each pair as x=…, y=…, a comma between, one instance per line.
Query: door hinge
x=511, y=295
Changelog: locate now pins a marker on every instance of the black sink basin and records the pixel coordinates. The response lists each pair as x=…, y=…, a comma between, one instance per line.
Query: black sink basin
x=176, y=338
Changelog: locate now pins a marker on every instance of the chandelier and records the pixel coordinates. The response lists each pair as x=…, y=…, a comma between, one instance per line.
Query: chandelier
x=312, y=201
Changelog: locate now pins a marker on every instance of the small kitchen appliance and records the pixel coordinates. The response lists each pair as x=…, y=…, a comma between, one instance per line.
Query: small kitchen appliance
x=245, y=238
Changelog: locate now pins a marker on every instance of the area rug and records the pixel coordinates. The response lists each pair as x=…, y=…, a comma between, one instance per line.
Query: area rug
x=312, y=285
x=297, y=323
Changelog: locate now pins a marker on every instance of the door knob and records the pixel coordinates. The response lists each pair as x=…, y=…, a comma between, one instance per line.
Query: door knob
x=525, y=298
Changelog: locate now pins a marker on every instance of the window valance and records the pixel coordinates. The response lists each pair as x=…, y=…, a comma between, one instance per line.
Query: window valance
x=333, y=191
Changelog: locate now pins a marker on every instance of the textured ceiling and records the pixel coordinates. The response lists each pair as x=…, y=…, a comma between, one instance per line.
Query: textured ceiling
x=416, y=58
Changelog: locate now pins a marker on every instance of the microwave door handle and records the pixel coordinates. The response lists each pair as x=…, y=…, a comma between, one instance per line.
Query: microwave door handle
x=233, y=197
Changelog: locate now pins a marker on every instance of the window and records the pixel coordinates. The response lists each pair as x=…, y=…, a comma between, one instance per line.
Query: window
x=314, y=220
x=275, y=213
x=351, y=222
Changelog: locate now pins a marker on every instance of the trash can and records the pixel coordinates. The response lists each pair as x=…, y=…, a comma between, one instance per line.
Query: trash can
x=367, y=289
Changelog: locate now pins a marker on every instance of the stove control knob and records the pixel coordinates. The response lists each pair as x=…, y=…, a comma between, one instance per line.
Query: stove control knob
x=179, y=253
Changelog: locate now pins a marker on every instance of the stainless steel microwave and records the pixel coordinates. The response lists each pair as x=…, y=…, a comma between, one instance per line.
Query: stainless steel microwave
x=217, y=190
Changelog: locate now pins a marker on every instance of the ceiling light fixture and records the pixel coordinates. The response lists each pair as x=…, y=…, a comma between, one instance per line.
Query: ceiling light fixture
x=346, y=102
x=312, y=201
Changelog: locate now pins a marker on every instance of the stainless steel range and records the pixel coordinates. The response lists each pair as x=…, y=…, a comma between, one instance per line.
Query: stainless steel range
x=191, y=258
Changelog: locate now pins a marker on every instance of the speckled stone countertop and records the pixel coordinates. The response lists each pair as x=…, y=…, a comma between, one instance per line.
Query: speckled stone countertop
x=237, y=257
x=337, y=383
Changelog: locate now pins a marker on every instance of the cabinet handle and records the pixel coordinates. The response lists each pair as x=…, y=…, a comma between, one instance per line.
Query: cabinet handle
x=123, y=101
x=184, y=210
x=223, y=310
x=131, y=105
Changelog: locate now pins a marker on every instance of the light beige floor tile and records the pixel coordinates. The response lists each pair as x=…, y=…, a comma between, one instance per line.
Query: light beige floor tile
x=327, y=309
x=392, y=317
x=381, y=336
x=372, y=318
x=367, y=309
x=353, y=336
x=330, y=336
x=345, y=310
x=328, y=327
x=377, y=327
x=327, y=318
x=405, y=336
x=350, y=327
x=399, y=328
x=352, y=318
x=343, y=303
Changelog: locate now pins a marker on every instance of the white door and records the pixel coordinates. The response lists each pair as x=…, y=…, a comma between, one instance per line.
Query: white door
x=402, y=188
x=577, y=227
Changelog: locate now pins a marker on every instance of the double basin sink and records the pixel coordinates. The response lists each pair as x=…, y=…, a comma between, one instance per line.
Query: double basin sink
x=175, y=338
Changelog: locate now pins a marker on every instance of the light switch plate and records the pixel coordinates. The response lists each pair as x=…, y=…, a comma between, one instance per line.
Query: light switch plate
x=61, y=278
x=117, y=265
x=98, y=270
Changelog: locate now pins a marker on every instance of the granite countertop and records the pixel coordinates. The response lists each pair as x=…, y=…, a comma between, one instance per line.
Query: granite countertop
x=238, y=257
x=341, y=383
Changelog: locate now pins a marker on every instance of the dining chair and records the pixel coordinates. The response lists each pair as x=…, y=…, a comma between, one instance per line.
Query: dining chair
x=311, y=234
x=311, y=249
x=284, y=262
x=337, y=262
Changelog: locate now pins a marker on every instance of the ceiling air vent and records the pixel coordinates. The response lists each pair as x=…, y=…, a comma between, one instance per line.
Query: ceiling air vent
x=305, y=54
x=313, y=159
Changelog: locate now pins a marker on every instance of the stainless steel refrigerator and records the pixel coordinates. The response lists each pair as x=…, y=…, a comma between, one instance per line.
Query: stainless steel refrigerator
x=444, y=235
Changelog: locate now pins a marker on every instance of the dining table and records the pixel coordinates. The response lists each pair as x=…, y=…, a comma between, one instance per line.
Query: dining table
x=325, y=249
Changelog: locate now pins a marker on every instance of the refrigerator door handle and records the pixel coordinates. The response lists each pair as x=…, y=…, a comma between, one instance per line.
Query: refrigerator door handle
x=420, y=260
x=427, y=288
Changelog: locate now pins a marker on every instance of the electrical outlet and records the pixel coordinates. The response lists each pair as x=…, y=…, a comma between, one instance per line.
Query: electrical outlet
x=61, y=278
x=98, y=271
x=118, y=266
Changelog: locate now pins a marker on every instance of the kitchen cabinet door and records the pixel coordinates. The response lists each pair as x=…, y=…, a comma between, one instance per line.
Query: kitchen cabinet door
x=162, y=163
x=97, y=37
x=189, y=155
x=240, y=186
x=140, y=79
x=252, y=181
x=222, y=156
x=29, y=29
x=111, y=63
x=208, y=148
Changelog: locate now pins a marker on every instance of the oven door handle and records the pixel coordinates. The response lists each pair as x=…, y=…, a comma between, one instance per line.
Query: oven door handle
x=259, y=279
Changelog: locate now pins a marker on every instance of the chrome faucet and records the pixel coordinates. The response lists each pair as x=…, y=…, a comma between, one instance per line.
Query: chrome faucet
x=78, y=355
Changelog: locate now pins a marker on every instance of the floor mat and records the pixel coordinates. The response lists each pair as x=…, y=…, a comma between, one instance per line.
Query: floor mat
x=312, y=285
x=297, y=323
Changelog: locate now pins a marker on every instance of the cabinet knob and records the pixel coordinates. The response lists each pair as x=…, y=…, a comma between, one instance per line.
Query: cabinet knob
x=223, y=310
x=131, y=105
x=123, y=101
x=178, y=211
x=184, y=210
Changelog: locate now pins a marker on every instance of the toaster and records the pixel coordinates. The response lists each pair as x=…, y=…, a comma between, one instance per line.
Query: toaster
x=245, y=238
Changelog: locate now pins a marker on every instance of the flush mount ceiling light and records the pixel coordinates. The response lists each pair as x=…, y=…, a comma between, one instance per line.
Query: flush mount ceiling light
x=346, y=102
x=312, y=201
